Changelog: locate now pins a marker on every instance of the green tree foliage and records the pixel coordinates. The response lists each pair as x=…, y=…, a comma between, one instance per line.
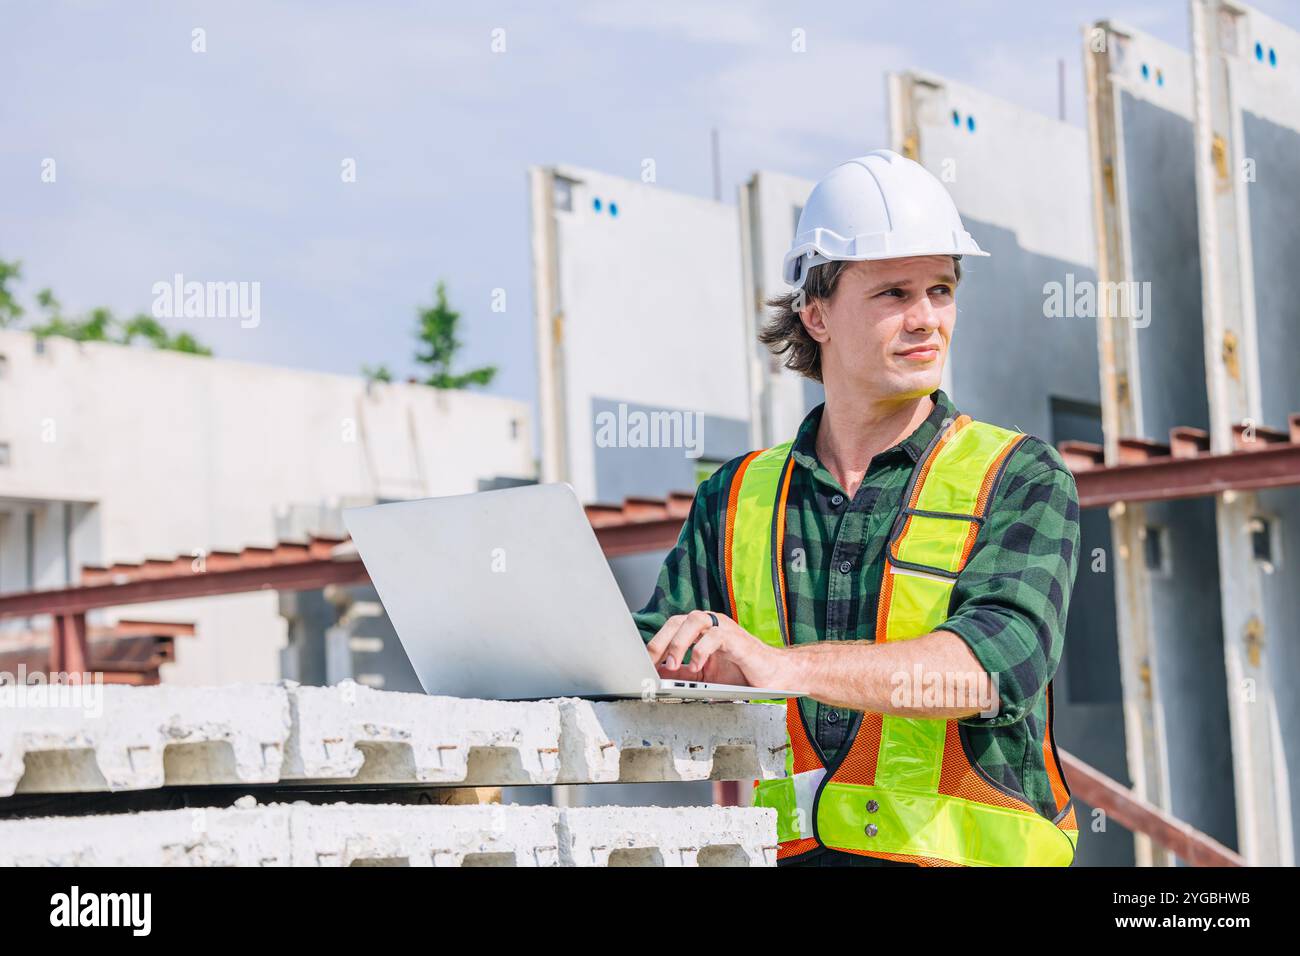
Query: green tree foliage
x=151, y=330
x=438, y=347
x=436, y=332
x=97, y=325
x=10, y=310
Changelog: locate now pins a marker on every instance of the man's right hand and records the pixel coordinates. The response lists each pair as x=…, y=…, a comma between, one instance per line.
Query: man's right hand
x=726, y=654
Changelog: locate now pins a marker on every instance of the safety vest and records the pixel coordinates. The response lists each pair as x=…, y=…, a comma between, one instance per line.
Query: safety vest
x=903, y=788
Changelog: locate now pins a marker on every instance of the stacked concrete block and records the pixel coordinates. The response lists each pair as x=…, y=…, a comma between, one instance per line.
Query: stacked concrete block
x=632, y=741
x=354, y=733
x=358, y=835
x=134, y=738
x=140, y=738
x=669, y=836
x=362, y=835
x=348, y=735
x=243, y=835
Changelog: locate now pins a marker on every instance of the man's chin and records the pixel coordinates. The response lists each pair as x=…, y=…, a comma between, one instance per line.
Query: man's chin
x=915, y=383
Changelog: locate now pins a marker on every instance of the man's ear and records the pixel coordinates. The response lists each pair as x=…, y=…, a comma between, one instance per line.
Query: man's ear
x=813, y=317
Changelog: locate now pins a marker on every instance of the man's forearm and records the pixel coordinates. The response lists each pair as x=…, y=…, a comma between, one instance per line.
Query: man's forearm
x=935, y=675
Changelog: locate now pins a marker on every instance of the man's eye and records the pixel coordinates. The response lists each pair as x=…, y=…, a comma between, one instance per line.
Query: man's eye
x=941, y=290
x=893, y=292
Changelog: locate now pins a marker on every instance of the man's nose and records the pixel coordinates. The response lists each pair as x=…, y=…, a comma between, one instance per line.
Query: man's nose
x=921, y=315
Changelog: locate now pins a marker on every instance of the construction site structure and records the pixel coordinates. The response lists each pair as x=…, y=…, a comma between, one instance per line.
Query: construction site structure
x=1105, y=320
x=1134, y=313
x=1023, y=356
x=1247, y=145
x=1198, y=580
x=1165, y=563
x=110, y=453
x=284, y=774
x=769, y=207
x=641, y=366
x=59, y=757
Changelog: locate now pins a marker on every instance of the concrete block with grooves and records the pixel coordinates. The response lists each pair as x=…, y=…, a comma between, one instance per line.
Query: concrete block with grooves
x=137, y=738
x=356, y=734
x=643, y=741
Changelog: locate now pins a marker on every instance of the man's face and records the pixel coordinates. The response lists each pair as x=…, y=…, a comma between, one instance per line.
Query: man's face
x=885, y=332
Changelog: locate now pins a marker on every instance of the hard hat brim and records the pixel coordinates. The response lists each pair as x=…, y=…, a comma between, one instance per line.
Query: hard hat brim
x=876, y=247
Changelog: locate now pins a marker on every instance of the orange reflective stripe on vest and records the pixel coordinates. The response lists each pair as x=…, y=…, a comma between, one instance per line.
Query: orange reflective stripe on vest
x=904, y=788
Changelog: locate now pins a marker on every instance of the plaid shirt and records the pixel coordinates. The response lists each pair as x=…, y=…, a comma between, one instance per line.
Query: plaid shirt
x=1009, y=603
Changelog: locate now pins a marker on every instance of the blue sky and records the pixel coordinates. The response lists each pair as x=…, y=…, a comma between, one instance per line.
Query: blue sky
x=226, y=165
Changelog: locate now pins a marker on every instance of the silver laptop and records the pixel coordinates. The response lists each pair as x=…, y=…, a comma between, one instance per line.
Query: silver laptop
x=506, y=595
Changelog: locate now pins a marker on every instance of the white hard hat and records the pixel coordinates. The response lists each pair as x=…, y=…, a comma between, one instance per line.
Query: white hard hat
x=877, y=206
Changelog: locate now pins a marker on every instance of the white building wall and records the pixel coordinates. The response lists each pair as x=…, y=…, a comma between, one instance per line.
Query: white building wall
x=647, y=290
x=171, y=454
x=770, y=207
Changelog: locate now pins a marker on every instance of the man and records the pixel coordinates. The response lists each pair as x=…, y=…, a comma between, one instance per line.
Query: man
x=923, y=561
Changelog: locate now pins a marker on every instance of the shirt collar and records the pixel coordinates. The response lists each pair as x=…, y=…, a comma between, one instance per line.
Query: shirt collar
x=913, y=446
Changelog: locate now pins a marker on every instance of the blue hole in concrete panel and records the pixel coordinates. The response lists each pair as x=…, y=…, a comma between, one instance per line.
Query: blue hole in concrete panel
x=595, y=204
x=1259, y=51
x=1160, y=78
x=956, y=118
x=613, y=209
x=1272, y=57
x=970, y=123
x=1146, y=72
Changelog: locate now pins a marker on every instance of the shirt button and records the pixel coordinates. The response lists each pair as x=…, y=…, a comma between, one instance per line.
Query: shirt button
x=832, y=717
x=872, y=829
x=846, y=567
x=837, y=500
x=872, y=806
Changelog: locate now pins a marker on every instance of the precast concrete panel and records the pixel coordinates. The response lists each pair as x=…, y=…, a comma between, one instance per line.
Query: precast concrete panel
x=770, y=204
x=1140, y=111
x=1020, y=181
x=1247, y=123
x=1025, y=343
x=643, y=286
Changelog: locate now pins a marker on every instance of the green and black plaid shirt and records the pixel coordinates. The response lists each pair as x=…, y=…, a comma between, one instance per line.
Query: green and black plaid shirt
x=1009, y=603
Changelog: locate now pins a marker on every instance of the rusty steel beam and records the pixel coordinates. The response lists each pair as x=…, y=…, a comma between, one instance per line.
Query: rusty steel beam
x=1168, y=478
x=230, y=577
x=68, y=650
x=299, y=576
x=133, y=628
x=638, y=537
x=1187, y=843
x=1186, y=473
x=108, y=660
x=1152, y=472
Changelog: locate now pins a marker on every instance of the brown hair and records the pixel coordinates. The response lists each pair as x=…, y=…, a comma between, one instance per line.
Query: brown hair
x=784, y=331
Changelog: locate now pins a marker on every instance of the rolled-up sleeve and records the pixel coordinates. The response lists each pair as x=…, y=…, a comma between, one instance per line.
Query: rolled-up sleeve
x=1011, y=600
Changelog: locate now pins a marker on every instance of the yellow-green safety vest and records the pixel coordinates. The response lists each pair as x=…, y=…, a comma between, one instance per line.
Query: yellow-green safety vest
x=903, y=788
